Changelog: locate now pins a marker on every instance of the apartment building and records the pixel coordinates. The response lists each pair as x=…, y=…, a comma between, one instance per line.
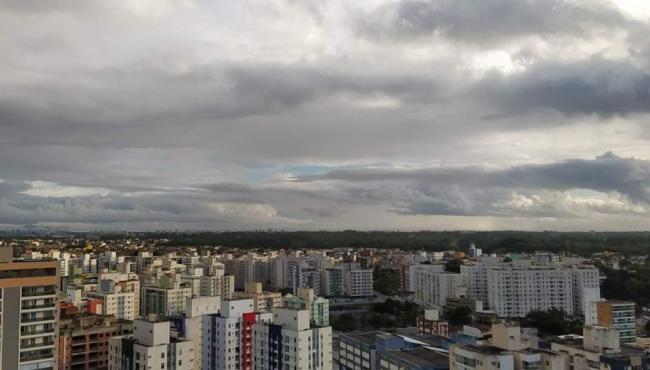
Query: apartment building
x=262, y=301
x=28, y=312
x=117, y=300
x=513, y=289
x=332, y=282
x=620, y=315
x=307, y=300
x=409, y=274
x=476, y=277
x=289, y=342
x=228, y=335
x=358, y=282
x=217, y=285
x=150, y=347
x=516, y=291
x=586, y=289
x=191, y=324
x=432, y=288
x=84, y=341
x=165, y=301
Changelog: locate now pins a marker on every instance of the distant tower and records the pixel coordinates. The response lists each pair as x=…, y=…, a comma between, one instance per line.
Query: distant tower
x=474, y=252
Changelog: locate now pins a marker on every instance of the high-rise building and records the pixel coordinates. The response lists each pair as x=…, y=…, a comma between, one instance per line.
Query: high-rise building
x=150, y=347
x=476, y=277
x=289, y=342
x=305, y=299
x=191, y=324
x=228, y=336
x=28, y=313
x=357, y=282
x=586, y=289
x=284, y=271
x=165, y=301
x=474, y=252
x=514, y=292
x=514, y=289
x=415, y=268
x=332, y=282
x=310, y=278
x=432, y=288
x=262, y=301
x=218, y=285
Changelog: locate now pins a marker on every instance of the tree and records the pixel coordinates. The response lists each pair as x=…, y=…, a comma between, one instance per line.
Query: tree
x=345, y=322
x=553, y=321
x=459, y=316
x=453, y=265
x=386, y=282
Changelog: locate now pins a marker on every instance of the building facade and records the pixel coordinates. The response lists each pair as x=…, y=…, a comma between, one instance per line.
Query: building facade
x=28, y=313
x=289, y=342
x=150, y=347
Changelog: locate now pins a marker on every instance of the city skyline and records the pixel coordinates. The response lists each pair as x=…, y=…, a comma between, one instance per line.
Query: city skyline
x=307, y=115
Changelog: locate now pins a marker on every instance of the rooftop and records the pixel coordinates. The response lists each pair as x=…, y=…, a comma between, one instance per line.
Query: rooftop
x=419, y=357
x=487, y=349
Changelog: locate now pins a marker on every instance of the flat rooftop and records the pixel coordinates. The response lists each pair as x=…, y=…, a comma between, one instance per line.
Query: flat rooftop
x=421, y=357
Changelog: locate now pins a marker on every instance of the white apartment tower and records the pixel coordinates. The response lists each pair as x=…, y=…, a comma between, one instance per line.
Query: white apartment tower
x=358, y=282
x=514, y=292
x=432, y=288
x=228, y=336
x=290, y=343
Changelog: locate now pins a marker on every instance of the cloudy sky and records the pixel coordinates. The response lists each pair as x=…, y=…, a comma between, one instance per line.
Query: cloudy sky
x=325, y=114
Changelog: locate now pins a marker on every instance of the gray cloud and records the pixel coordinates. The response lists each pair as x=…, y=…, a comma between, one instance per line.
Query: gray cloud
x=205, y=117
x=490, y=21
x=594, y=86
x=482, y=191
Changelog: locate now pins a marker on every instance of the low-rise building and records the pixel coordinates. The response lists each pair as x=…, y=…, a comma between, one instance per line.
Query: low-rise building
x=414, y=359
x=619, y=315
x=430, y=324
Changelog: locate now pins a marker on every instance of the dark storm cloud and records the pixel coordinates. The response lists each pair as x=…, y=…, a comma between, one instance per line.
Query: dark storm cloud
x=489, y=21
x=593, y=86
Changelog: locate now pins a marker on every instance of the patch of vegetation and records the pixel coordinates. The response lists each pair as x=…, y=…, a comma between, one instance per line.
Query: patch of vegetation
x=387, y=315
x=552, y=322
x=386, y=282
x=459, y=316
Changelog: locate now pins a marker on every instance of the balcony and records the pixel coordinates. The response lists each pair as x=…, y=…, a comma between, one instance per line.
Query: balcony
x=36, y=319
x=38, y=292
x=37, y=345
x=36, y=333
x=40, y=307
x=36, y=355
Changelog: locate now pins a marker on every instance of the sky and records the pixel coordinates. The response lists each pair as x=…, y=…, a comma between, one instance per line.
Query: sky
x=325, y=114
